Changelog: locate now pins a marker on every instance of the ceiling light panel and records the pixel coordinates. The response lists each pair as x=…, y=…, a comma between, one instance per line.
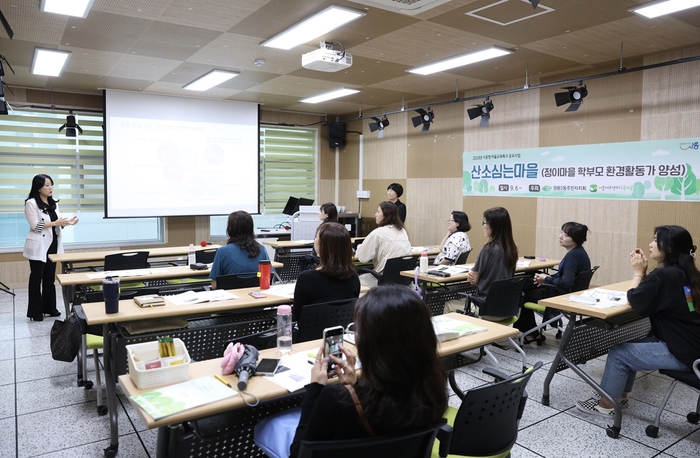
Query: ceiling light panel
x=313, y=27
x=77, y=8
x=49, y=62
x=460, y=60
x=662, y=8
x=211, y=79
x=330, y=95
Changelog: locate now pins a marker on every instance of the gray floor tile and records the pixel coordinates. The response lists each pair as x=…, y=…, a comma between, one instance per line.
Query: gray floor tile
x=521, y=452
x=150, y=440
x=564, y=435
x=563, y=391
x=25, y=328
x=40, y=432
x=686, y=448
x=7, y=331
x=129, y=447
x=42, y=366
x=7, y=350
x=535, y=412
x=32, y=346
x=8, y=443
x=7, y=372
x=651, y=389
x=7, y=402
x=50, y=393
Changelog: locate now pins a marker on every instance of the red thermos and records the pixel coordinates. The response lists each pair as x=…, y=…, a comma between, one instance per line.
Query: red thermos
x=264, y=274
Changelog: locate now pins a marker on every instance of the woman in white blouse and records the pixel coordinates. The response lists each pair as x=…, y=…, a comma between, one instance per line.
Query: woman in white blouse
x=456, y=241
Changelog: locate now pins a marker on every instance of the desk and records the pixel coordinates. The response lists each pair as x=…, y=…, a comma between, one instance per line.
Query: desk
x=586, y=339
x=269, y=392
x=195, y=339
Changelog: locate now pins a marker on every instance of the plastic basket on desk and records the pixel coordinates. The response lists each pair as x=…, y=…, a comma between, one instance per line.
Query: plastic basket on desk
x=163, y=375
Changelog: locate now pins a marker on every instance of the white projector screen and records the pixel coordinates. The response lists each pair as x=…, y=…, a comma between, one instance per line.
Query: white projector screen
x=176, y=156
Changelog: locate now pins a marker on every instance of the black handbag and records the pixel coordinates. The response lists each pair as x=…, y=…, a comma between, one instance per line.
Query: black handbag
x=66, y=337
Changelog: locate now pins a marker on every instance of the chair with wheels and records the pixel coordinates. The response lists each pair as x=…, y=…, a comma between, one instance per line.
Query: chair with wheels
x=392, y=271
x=581, y=283
x=235, y=281
x=315, y=318
x=91, y=340
x=486, y=423
x=690, y=378
x=502, y=306
x=410, y=445
x=126, y=261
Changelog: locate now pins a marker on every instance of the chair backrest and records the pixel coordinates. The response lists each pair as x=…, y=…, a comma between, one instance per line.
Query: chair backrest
x=486, y=423
x=412, y=445
x=315, y=318
x=392, y=271
x=205, y=256
x=235, y=281
x=503, y=298
x=126, y=261
x=462, y=258
x=583, y=280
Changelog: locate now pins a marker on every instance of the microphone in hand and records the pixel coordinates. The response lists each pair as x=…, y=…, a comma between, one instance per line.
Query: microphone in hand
x=246, y=366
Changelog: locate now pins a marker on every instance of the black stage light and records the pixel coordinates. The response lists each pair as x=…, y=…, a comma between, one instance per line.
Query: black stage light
x=379, y=125
x=482, y=110
x=573, y=95
x=70, y=126
x=425, y=118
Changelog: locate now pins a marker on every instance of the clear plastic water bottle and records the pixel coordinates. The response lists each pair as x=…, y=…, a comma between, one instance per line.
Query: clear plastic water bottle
x=284, y=329
x=191, y=256
x=424, y=262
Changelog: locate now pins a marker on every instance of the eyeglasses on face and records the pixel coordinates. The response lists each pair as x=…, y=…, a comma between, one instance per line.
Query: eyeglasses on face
x=451, y=221
x=484, y=223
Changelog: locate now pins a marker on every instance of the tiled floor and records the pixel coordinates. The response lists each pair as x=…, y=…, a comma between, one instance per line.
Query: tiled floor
x=44, y=413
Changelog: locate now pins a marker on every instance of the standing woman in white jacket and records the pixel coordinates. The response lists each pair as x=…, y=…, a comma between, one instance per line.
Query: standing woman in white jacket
x=44, y=238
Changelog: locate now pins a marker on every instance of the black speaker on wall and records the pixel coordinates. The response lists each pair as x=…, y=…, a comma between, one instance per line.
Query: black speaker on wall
x=336, y=134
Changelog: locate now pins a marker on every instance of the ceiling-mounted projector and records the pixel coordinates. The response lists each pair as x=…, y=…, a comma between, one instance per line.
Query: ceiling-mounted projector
x=326, y=59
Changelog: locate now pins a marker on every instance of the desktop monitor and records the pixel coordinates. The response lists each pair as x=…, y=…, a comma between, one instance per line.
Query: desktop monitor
x=293, y=204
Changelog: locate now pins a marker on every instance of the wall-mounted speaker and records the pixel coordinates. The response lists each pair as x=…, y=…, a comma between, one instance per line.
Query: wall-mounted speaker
x=336, y=134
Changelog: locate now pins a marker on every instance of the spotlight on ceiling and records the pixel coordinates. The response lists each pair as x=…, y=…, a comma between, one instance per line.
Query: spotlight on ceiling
x=379, y=125
x=482, y=110
x=573, y=95
x=425, y=118
x=534, y=3
x=71, y=126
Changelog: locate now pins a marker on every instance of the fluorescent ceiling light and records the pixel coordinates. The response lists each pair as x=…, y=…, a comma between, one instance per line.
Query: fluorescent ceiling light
x=211, y=79
x=313, y=27
x=462, y=59
x=77, y=8
x=342, y=92
x=656, y=9
x=49, y=62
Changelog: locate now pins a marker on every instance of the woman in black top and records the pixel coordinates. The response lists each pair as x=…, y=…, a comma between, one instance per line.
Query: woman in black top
x=402, y=387
x=670, y=297
x=327, y=213
x=393, y=192
x=335, y=278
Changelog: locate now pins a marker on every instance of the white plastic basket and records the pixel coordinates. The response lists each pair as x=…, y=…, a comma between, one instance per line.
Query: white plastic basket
x=161, y=376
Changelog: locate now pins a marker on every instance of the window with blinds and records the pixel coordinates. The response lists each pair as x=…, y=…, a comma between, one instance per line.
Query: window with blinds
x=30, y=144
x=287, y=169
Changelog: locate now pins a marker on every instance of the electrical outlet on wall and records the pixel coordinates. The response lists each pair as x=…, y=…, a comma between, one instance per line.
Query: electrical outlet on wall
x=363, y=194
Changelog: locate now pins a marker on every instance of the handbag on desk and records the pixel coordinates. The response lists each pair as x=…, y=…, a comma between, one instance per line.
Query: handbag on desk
x=65, y=339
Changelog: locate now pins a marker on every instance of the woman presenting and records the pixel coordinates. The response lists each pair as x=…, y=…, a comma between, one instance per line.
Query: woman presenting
x=43, y=239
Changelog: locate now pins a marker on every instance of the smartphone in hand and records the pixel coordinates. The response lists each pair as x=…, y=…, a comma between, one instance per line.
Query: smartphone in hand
x=332, y=339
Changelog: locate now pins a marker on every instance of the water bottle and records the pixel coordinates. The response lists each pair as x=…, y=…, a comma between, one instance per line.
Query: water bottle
x=110, y=293
x=284, y=329
x=191, y=256
x=424, y=262
x=264, y=270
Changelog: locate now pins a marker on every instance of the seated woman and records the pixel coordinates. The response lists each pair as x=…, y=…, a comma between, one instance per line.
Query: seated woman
x=456, y=241
x=327, y=213
x=497, y=259
x=575, y=261
x=335, y=278
x=242, y=252
x=402, y=387
x=389, y=240
x=666, y=296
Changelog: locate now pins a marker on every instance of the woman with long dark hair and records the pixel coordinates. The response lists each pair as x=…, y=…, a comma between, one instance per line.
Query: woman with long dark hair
x=328, y=213
x=402, y=387
x=497, y=259
x=335, y=278
x=44, y=238
x=670, y=297
x=389, y=240
x=242, y=252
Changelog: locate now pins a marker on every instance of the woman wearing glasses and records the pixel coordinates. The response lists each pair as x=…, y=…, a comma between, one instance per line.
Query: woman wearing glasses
x=456, y=241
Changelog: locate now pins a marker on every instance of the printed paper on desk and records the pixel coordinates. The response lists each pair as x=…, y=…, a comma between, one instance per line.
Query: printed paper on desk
x=191, y=297
x=284, y=290
x=449, y=329
x=125, y=273
x=297, y=375
x=521, y=263
x=606, y=297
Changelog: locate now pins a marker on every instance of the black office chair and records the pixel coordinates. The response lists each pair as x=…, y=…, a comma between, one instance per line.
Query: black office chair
x=486, y=423
x=692, y=379
x=502, y=306
x=236, y=281
x=127, y=261
x=315, y=318
x=411, y=445
x=462, y=258
x=392, y=271
x=205, y=256
x=581, y=283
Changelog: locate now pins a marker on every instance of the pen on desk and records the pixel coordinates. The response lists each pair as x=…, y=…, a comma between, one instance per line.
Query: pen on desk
x=222, y=381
